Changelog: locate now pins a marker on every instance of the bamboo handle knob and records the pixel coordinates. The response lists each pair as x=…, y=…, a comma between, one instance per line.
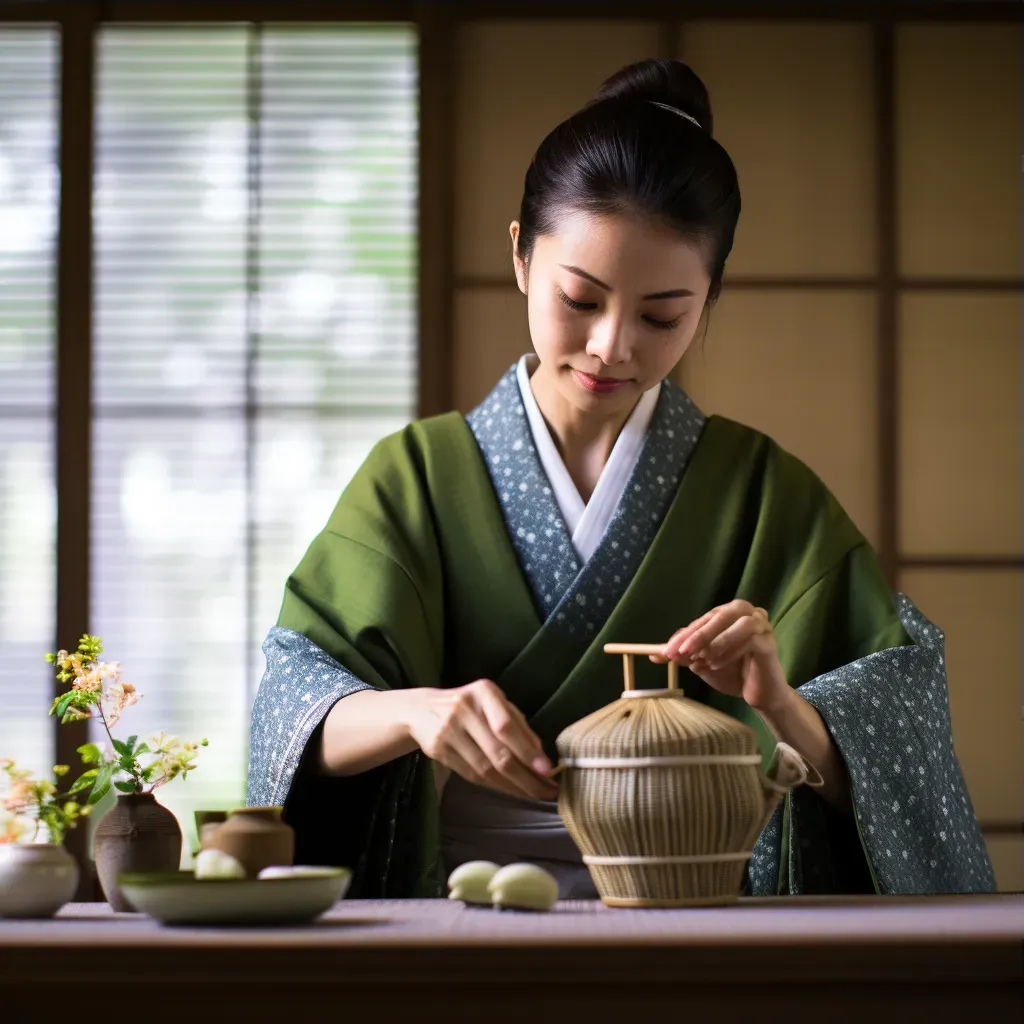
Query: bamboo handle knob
x=628, y=669
x=633, y=648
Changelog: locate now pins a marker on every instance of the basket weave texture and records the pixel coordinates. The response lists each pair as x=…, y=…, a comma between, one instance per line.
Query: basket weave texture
x=664, y=797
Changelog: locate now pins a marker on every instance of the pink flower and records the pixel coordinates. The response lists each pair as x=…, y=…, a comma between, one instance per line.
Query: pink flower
x=14, y=828
x=91, y=682
x=20, y=795
x=121, y=696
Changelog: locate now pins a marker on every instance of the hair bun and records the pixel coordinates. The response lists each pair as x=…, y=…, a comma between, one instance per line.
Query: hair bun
x=662, y=81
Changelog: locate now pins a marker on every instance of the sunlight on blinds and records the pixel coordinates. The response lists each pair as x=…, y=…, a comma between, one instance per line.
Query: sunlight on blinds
x=29, y=189
x=255, y=335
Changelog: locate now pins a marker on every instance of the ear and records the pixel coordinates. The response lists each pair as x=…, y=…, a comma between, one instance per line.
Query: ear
x=520, y=266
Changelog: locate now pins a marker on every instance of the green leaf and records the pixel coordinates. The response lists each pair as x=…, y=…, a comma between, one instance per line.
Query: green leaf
x=90, y=753
x=130, y=743
x=125, y=787
x=147, y=772
x=52, y=817
x=102, y=786
x=122, y=748
x=127, y=762
x=142, y=748
x=84, y=781
x=65, y=702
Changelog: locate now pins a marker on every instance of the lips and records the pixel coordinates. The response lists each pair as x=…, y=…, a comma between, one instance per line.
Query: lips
x=600, y=385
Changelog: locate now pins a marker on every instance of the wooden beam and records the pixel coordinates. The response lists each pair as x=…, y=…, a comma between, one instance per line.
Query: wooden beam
x=74, y=369
x=975, y=562
x=1001, y=828
x=961, y=284
x=325, y=11
x=18, y=11
x=474, y=10
x=759, y=282
x=436, y=240
x=887, y=442
x=746, y=10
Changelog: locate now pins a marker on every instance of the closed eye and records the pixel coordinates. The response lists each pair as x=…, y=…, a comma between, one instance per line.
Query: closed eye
x=586, y=307
x=664, y=325
x=573, y=304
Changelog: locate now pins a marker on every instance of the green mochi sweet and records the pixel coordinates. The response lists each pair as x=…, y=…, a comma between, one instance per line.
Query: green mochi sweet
x=468, y=882
x=523, y=887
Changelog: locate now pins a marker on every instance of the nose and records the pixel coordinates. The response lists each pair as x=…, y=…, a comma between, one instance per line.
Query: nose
x=609, y=341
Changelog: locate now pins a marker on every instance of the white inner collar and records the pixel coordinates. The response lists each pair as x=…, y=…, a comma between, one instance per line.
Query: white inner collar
x=588, y=521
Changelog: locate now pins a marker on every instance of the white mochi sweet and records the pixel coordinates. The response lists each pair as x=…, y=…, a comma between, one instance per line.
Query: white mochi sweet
x=217, y=864
x=468, y=882
x=523, y=887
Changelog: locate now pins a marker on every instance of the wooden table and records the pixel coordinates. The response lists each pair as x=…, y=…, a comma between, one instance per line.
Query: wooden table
x=826, y=960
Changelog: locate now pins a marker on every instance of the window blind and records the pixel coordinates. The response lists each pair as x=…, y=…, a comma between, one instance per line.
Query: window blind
x=28, y=219
x=255, y=310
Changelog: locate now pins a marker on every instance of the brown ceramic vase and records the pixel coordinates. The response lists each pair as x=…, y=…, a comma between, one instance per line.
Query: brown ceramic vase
x=136, y=834
x=256, y=837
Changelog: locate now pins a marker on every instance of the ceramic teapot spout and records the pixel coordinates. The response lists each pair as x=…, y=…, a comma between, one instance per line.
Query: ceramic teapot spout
x=786, y=769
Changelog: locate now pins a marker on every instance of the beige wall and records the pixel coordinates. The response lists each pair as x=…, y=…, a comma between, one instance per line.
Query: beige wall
x=795, y=106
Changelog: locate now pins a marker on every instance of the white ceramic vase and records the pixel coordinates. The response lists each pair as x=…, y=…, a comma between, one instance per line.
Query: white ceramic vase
x=36, y=879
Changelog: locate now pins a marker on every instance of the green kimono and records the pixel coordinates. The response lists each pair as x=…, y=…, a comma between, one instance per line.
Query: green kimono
x=429, y=573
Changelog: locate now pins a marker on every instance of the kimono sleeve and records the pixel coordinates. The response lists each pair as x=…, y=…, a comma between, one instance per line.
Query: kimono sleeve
x=874, y=668
x=362, y=610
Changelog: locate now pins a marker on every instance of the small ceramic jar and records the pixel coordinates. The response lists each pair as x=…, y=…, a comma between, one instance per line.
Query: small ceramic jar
x=256, y=837
x=36, y=879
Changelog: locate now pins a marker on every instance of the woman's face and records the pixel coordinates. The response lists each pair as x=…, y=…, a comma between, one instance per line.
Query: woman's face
x=613, y=303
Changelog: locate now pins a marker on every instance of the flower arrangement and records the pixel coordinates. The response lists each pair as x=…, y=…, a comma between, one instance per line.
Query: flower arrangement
x=31, y=803
x=33, y=808
x=98, y=691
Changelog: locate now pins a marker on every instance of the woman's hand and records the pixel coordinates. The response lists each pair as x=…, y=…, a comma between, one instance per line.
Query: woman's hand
x=477, y=732
x=732, y=648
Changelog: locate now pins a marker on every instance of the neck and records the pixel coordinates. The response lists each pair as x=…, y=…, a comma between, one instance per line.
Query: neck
x=584, y=440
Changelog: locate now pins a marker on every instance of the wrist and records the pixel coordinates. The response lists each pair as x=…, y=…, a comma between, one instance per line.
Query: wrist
x=777, y=702
x=409, y=711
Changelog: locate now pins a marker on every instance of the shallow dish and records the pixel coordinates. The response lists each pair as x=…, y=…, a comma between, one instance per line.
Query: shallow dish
x=178, y=897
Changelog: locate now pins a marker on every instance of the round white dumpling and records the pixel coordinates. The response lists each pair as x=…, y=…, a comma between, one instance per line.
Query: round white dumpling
x=217, y=864
x=468, y=882
x=523, y=887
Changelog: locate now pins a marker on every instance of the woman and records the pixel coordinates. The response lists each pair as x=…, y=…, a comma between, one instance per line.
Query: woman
x=449, y=620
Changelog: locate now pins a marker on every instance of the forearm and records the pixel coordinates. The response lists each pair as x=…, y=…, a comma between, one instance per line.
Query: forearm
x=366, y=729
x=792, y=720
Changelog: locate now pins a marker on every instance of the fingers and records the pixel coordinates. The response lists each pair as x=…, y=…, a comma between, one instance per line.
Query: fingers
x=509, y=726
x=491, y=742
x=734, y=641
x=723, y=618
x=694, y=640
x=463, y=756
x=677, y=639
x=502, y=769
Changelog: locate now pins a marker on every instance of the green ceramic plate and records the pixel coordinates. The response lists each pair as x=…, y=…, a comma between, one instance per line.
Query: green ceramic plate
x=178, y=897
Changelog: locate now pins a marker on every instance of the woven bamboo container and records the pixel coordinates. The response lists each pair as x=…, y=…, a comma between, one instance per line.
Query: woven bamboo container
x=665, y=797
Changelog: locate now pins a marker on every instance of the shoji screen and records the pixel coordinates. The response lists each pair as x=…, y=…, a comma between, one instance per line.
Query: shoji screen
x=29, y=196
x=255, y=335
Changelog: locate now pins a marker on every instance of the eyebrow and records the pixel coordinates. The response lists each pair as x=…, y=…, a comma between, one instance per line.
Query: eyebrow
x=673, y=293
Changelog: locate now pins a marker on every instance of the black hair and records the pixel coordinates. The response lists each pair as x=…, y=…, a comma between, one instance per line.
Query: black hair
x=622, y=153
